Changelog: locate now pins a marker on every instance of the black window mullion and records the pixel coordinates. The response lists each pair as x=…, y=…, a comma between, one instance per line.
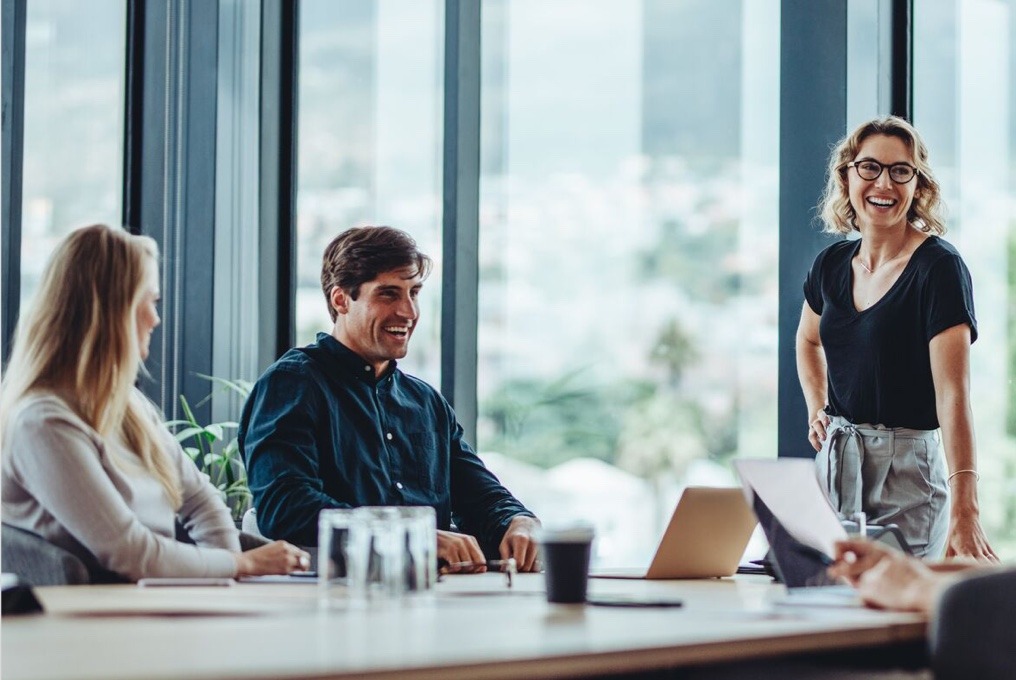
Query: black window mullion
x=134, y=71
x=902, y=67
x=279, y=117
x=13, y=167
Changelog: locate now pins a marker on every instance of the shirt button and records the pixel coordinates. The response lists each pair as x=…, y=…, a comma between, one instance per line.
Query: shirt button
x=398, y=485
x=389, y=436
x=366, y=368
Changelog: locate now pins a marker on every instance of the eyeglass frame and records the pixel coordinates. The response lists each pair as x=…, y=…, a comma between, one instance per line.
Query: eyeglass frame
x=882, y=168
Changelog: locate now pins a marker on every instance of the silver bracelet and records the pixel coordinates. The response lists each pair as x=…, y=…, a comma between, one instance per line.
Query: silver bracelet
x=975, y=473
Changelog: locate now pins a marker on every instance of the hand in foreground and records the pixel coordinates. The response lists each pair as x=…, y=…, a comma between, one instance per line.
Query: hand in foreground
x=278, y=557
x=817, y=429
x=456, y=548
x=886, y=578
x=519, y=541
x=967, y=539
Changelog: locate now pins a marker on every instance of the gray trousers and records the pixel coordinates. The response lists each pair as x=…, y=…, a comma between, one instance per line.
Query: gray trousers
x=895, y=475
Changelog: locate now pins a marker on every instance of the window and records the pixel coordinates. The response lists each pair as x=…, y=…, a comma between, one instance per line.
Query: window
x=73, y=143
x=370, y=107
x=628, y=254
x=965, y=107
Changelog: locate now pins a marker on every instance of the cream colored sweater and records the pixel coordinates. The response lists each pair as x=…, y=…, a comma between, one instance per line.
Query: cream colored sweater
x=59, y=480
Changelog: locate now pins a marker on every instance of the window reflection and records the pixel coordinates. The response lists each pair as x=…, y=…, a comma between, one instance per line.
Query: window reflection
x=370, y=107
x=73, y=143
x=965, y=61
x=628, y=254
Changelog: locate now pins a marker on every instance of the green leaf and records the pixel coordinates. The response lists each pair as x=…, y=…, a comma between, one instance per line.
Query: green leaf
x=215, y=430
x=184, y=435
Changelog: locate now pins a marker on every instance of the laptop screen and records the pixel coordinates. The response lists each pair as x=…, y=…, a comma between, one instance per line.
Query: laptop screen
x=796, y=564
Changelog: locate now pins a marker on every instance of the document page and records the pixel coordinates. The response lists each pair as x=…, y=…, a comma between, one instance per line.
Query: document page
x=791, y=490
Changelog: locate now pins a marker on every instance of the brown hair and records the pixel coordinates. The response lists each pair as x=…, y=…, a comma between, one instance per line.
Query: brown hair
x=361, y=254
x=835, y=209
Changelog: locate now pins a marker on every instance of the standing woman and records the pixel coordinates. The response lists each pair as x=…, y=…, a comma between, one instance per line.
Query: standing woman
x=883, y=348
x=87, y=463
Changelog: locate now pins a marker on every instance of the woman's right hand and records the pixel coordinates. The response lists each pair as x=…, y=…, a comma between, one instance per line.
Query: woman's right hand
x=278, y=557
x=817, y=429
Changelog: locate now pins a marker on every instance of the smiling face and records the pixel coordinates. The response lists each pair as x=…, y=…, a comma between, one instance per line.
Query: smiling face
x=378, y=324
x=147, y=312
x=881, y=203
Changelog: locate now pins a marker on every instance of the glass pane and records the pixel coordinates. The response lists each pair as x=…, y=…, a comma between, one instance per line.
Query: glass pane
x=370, y=144
x=965, y=106
x=628, y=264
x=74, y=101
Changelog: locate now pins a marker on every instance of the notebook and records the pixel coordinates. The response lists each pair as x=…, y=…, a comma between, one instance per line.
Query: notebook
x=706, y=537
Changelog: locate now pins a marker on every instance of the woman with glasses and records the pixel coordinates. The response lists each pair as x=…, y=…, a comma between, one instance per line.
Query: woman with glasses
x=87, y=463
x=883, y=348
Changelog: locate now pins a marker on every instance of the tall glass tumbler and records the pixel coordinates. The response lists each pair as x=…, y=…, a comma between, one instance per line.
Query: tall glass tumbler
x=343, y=542
x=385, y=577
x=420, y=561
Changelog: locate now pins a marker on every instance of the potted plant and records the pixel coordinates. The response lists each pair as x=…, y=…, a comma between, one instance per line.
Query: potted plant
x=214, y=448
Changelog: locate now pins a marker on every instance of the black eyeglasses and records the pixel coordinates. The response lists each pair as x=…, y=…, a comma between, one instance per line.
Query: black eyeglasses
x=869, y=170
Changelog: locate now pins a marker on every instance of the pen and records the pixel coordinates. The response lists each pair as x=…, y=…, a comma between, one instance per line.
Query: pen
x=508, y=563
x=508, y=567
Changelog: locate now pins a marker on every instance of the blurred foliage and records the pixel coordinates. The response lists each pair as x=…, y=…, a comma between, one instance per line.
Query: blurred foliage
x=688, y=257
x=547, y=422
x=648, y=427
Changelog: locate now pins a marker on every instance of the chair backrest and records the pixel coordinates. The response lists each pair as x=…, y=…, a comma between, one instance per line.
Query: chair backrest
x=38, y=562
x=971, y=636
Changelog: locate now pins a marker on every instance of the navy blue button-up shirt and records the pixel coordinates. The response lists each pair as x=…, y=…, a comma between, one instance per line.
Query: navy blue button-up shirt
x=320, y=431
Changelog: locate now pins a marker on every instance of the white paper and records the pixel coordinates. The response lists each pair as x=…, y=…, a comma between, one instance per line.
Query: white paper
x=790, y=489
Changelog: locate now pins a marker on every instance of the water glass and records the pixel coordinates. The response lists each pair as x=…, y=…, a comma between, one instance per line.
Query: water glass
x=420, y=560
x=343, y=544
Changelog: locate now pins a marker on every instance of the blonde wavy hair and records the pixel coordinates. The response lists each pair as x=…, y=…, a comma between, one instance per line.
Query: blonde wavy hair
x=80, y=339
x=926, y=211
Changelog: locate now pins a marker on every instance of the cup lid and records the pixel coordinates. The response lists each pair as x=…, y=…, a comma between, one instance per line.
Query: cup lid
x=575, y=532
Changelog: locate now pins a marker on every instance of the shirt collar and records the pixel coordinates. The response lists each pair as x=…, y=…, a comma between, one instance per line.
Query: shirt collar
x=352, y=361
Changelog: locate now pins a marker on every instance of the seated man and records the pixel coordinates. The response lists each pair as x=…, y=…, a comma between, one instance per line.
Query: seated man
x=336, y=424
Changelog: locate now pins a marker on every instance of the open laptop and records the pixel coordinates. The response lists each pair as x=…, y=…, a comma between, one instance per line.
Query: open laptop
x=706, y=537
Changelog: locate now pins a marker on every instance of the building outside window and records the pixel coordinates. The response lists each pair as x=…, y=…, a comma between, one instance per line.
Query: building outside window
x=73, y=130
x=370, y=108
x=628, y=254
x=965, y=106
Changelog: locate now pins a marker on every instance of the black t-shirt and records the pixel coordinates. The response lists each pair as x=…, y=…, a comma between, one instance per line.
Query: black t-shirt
x=879, y=363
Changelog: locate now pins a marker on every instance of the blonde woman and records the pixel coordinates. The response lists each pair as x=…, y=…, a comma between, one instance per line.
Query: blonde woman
x=86, y=462
x=883, y=348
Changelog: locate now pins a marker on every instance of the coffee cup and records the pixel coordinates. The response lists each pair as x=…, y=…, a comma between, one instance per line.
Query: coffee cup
x=565, y=551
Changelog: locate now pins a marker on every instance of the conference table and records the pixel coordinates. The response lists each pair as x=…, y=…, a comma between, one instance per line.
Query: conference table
x=470, y=626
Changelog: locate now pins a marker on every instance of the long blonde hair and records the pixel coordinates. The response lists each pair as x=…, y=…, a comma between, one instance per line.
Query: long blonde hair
x=835, y=209
x=80, y=339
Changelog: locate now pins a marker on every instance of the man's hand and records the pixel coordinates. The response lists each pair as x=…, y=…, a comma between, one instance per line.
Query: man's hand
x=519, y=541
x=886, y=578
x=455, y=548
